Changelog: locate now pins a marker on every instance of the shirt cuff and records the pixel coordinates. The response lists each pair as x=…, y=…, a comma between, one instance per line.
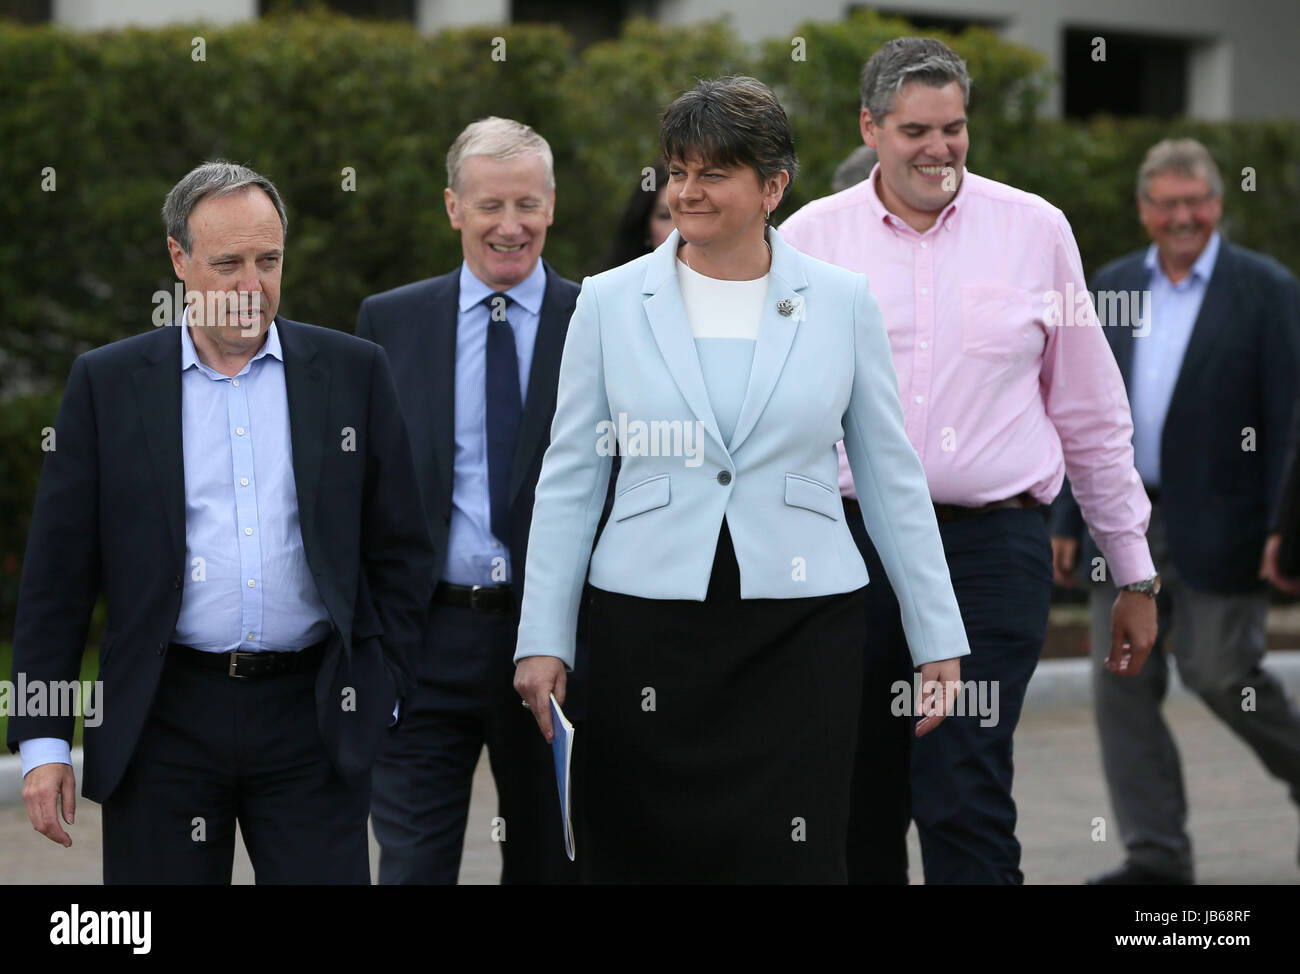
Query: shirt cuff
x=36, y=751
x=1131, y=563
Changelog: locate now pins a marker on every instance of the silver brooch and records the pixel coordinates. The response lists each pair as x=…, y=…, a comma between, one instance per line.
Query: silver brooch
x=785, y=307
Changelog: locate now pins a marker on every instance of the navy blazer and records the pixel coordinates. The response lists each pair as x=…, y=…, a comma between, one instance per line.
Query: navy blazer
x=110, y=517
x=1239, y=374
x=416, y=324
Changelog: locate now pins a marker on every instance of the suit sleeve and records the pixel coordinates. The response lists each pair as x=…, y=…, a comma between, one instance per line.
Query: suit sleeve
x=397, y=555
x=571, y=493
x=1288, y=505
x=60, y=579
x=1279, y=353
x=893, y=494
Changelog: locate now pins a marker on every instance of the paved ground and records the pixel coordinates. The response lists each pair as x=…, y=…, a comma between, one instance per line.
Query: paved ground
x=1243, y=826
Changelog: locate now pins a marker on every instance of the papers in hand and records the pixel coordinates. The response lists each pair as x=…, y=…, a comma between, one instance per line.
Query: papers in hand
x=562, y=751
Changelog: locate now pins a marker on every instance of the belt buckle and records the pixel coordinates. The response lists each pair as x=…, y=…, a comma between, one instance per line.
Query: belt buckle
x=473, y=598
x=232, y=672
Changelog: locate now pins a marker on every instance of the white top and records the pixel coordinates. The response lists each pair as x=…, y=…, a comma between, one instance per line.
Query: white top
x=721, y=309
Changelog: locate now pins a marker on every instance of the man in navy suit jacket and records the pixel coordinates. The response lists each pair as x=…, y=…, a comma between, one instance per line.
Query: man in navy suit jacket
x=1207, y=337
x=240, y=489
x=476, y=356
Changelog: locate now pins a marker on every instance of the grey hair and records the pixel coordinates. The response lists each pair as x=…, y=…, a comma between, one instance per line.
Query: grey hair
x=500, y=139
x=1184, y=156
x=856, y=167
x=906, y=59
x=214, y=178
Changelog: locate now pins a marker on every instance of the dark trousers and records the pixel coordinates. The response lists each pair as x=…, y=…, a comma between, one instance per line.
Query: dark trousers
x=881, y=807
x=463, y=698
x=961, y=772
x=216, y=750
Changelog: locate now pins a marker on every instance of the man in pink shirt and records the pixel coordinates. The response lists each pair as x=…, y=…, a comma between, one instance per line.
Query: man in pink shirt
x=1007, y=383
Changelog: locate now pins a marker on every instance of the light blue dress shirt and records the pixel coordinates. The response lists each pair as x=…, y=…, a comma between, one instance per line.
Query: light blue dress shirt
x=248, y=586
x=1158, y=355
x=474, y=555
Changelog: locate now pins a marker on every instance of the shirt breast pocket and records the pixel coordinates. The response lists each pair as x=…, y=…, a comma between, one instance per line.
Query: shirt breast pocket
x=999, y=322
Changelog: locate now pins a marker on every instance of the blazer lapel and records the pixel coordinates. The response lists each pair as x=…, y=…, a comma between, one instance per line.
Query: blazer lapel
x=1215, y=310
x=543, y=381
x=158, y=394
x=667, y=316
x=775, y=334
x=307, y=386
x=442, y=312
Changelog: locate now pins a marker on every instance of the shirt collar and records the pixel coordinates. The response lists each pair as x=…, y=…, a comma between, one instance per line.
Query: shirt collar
x=528, y=293
x=1201, y=269
x=190, y=356
x=879, y=211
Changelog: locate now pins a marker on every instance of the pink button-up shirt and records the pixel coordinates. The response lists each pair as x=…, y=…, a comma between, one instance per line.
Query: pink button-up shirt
x=998, y=398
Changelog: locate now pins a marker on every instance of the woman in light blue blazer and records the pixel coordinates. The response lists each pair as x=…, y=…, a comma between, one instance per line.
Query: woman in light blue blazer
x=726, y=615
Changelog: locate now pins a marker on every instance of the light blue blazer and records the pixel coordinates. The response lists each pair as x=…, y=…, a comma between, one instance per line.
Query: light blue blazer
x=820, y=374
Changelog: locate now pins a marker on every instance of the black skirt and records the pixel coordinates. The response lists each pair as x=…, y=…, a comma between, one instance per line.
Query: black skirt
x=720, y=736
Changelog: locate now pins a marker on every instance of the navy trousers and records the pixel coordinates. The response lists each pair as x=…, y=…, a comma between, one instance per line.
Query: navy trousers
x=961, y=772
x=463, y=698
x=216, y=750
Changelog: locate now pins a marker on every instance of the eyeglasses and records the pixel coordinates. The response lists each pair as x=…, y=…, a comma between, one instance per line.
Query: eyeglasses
x=1172, y=205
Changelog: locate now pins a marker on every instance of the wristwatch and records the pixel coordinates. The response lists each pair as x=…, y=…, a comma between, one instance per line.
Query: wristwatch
x=1148, y=586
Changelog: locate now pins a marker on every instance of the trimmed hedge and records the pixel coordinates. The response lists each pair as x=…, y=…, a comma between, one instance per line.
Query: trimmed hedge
x=121, y=115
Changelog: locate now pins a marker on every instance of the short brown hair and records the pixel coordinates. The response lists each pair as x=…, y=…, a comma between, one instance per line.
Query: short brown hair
x=732, y=121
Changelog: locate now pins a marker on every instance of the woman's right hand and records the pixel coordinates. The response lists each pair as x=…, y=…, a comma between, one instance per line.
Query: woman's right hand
x=536, y=678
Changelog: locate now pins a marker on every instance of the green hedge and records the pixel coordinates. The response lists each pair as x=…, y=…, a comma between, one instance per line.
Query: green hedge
x=121, y=115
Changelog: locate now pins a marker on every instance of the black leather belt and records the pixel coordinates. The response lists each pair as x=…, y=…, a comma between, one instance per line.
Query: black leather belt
x=479, y=598
x=249, y=666
x=951, y=512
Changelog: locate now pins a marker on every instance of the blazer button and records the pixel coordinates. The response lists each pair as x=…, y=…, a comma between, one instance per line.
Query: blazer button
x=176, y=582
x=724, y=477
x=162, y=648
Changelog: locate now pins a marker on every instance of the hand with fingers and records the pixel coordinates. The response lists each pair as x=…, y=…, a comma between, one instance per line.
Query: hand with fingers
x=940, y=682
x=1132, y=633
x=536, y=678
x=47, y=789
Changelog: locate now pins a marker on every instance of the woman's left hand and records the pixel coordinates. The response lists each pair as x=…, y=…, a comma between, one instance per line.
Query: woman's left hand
x=935, y=701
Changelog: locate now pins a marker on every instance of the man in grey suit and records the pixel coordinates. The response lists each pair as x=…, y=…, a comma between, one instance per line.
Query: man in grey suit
x=1210, y=364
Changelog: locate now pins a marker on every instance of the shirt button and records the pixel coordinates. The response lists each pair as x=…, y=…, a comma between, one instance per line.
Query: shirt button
x=235, y=383
x=239, y=431
x=250, y=637
x=243, y=481
x=251, y=583
x=925, y=344
x=248, y=530
x=925, y=290
x=924, y=245
x=919, y=400
x=724, y=477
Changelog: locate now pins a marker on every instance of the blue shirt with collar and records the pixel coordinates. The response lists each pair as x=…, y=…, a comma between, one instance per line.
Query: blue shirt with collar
x=474, y=555
x=1158, y=355
x=249, y=586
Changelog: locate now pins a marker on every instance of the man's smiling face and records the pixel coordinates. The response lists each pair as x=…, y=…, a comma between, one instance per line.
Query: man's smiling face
x=502, y=209
x=922, y=146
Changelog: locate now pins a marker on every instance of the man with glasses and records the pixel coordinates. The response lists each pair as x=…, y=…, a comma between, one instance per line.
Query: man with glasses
x=1210, y=367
